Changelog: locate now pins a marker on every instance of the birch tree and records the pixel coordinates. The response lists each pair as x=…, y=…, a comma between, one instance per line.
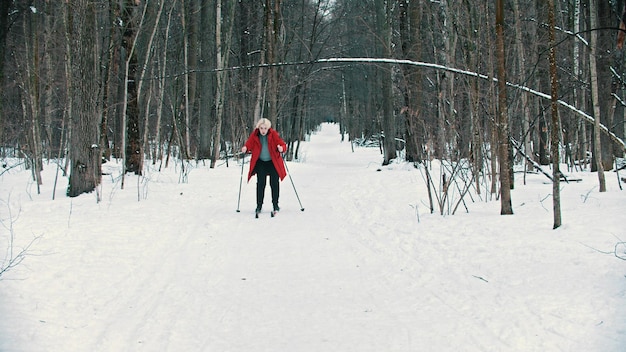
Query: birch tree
x=580, y=141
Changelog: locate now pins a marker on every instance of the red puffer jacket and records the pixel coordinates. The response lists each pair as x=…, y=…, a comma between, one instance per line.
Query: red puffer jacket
x=253, y=145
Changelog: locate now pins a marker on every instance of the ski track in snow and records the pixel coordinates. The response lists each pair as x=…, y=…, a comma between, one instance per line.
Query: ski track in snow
x=180, y=270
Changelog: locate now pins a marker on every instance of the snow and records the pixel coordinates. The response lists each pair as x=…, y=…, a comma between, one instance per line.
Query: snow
x=163, y=265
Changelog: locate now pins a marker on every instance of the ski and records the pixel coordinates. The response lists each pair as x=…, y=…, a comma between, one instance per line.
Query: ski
x=272, y=213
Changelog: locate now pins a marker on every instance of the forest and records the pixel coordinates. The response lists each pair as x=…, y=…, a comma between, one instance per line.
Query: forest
x=483, y=85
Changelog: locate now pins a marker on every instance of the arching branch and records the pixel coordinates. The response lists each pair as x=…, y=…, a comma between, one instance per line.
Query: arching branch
x=590, y=119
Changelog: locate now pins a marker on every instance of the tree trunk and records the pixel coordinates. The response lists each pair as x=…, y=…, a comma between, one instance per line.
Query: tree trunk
x=48, y=78
x=144, y=98
x=194, y=17
x=555, y=128
x=131, y=139
x=272, y=40
x=411, y=48
x=597, y=150
x=388, y=118
x=542, y=81
x=473, y=58
x=502, y=118
x=605, y=49
x=162, y=81
x=221, y=56
x=185, y=142
x=85, y=173
x=5, y=6
x=443, y=84
x=580, y=141
x=111, y=53
x=205, y=81
x=446, y=133
x=521, y=58
x=30, y=99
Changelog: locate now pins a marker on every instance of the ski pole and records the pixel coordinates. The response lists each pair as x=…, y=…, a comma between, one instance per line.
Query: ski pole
x=294, y=186
x=240, y=182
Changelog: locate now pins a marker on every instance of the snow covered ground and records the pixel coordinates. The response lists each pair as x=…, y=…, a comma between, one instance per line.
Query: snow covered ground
x=168, y=266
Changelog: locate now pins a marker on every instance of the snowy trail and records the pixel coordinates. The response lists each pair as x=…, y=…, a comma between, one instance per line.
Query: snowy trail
x=356, y=271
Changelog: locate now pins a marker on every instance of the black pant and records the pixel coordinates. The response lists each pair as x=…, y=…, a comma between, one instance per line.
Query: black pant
x=263, y=169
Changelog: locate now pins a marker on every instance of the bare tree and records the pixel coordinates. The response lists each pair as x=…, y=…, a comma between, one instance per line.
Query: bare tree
x=206, y=85
x=131, y=137
x=223, y=49
x=580, y=142
x=85, y=156
x=145, y=99
x=502, y=119
x=593, y=11
x=521, y=56
x=273, y=28
x=5, y=6
x=554, y=151
x=410, y=20
x=194, y=88
x=29, y=68
x=383, y=26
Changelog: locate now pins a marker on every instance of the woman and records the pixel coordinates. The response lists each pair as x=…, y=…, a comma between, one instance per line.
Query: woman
x=266, y=147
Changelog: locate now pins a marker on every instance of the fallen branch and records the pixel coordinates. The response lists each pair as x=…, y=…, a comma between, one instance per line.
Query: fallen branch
x=480, y=278
x=7, y=168
x=619, y=251
x=13, y=258
x=530, y=160
x=622, y=254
